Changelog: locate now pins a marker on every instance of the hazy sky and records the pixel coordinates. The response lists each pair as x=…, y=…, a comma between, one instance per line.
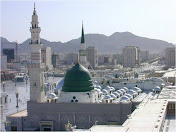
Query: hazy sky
x=61, y=20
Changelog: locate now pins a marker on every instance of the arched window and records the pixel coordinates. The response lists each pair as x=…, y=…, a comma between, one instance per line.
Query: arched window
x=76, y=100
x=71, y=100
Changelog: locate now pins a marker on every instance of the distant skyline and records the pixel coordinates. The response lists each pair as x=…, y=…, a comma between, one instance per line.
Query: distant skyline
x=61, y=20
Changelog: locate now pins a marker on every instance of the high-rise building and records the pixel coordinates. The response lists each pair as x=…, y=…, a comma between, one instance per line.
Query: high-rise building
x=92, y=56
x=144, y=55
x=37, y=93
x=170, y=57
x=46, y=57
x=131, y=56
x=3, y=62
x=55, y=59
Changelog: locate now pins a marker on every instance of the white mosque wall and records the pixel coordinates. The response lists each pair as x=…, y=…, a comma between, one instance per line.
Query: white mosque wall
x=78, y=97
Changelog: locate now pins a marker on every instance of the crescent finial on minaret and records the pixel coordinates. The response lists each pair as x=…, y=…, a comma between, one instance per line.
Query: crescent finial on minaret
x=34, y=5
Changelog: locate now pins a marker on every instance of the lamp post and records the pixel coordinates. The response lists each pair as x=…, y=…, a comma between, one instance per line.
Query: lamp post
x=26, y=78
x=45, y=76
x=17, y=95
x=3, y=85
x=15, y=80
x=53, y=74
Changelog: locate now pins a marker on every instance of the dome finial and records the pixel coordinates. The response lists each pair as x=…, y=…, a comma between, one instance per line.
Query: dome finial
x=78, y=59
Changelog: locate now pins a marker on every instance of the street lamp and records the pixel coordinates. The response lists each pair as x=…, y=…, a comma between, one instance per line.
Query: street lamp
x=26, y=78
x=17, y=95
x=15, y=80
x=3, y=85
x=45, y=76
x=53, y=74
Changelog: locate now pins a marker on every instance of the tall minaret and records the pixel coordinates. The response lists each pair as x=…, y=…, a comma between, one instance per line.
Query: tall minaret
x=37, y=93
x=35, y=39
x=82, y=51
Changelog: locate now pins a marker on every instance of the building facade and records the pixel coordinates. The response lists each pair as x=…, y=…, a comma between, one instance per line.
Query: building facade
x=71, y=58
x=92, y=56
x=55, y=60
x=131, y=56
x=144, y=55
x=170, y=57
x=3, y=62
x=117, y=58
x=46, y=57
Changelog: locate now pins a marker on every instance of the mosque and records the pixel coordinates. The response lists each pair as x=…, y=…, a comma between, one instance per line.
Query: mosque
x=81, y=104
x=77, y=105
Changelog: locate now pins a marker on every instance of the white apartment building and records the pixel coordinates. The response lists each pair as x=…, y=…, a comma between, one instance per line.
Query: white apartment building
x=46, y=57
x=92, y=56
x=170, y=57
x=131, y=56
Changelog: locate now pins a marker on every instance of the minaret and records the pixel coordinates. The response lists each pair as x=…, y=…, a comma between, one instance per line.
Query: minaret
x=82, y=51
x=35, y=39
x=37, y=93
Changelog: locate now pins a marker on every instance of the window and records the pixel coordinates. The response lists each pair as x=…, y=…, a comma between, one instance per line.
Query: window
x=74, y=97
x=76, y=100
x=72, y=101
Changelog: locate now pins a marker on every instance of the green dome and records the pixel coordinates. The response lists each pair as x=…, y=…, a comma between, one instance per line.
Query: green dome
x=77, y=79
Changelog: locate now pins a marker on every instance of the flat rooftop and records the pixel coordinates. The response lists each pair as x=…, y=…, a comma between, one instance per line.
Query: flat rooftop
x=19, y=114
x=147, y=117
x=168, y=92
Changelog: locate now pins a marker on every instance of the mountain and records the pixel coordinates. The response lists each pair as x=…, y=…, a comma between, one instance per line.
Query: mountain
x=4, y=40
x=104, y=44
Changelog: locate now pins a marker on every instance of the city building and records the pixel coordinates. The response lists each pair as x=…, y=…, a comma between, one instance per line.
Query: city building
x=131, y=56
x=144, y=55
x=92, y=56
x=46, y=57
x=55, y=59
x=71, y=58
x=100, y=59
x=118, y=58
x=3, y=62
x=170, y=57
x=107, y=59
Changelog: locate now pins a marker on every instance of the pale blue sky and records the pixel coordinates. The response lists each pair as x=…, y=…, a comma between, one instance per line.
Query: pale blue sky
x=61, y=20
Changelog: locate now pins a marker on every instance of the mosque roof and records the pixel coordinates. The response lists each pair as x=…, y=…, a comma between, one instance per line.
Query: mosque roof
x=78, y=79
